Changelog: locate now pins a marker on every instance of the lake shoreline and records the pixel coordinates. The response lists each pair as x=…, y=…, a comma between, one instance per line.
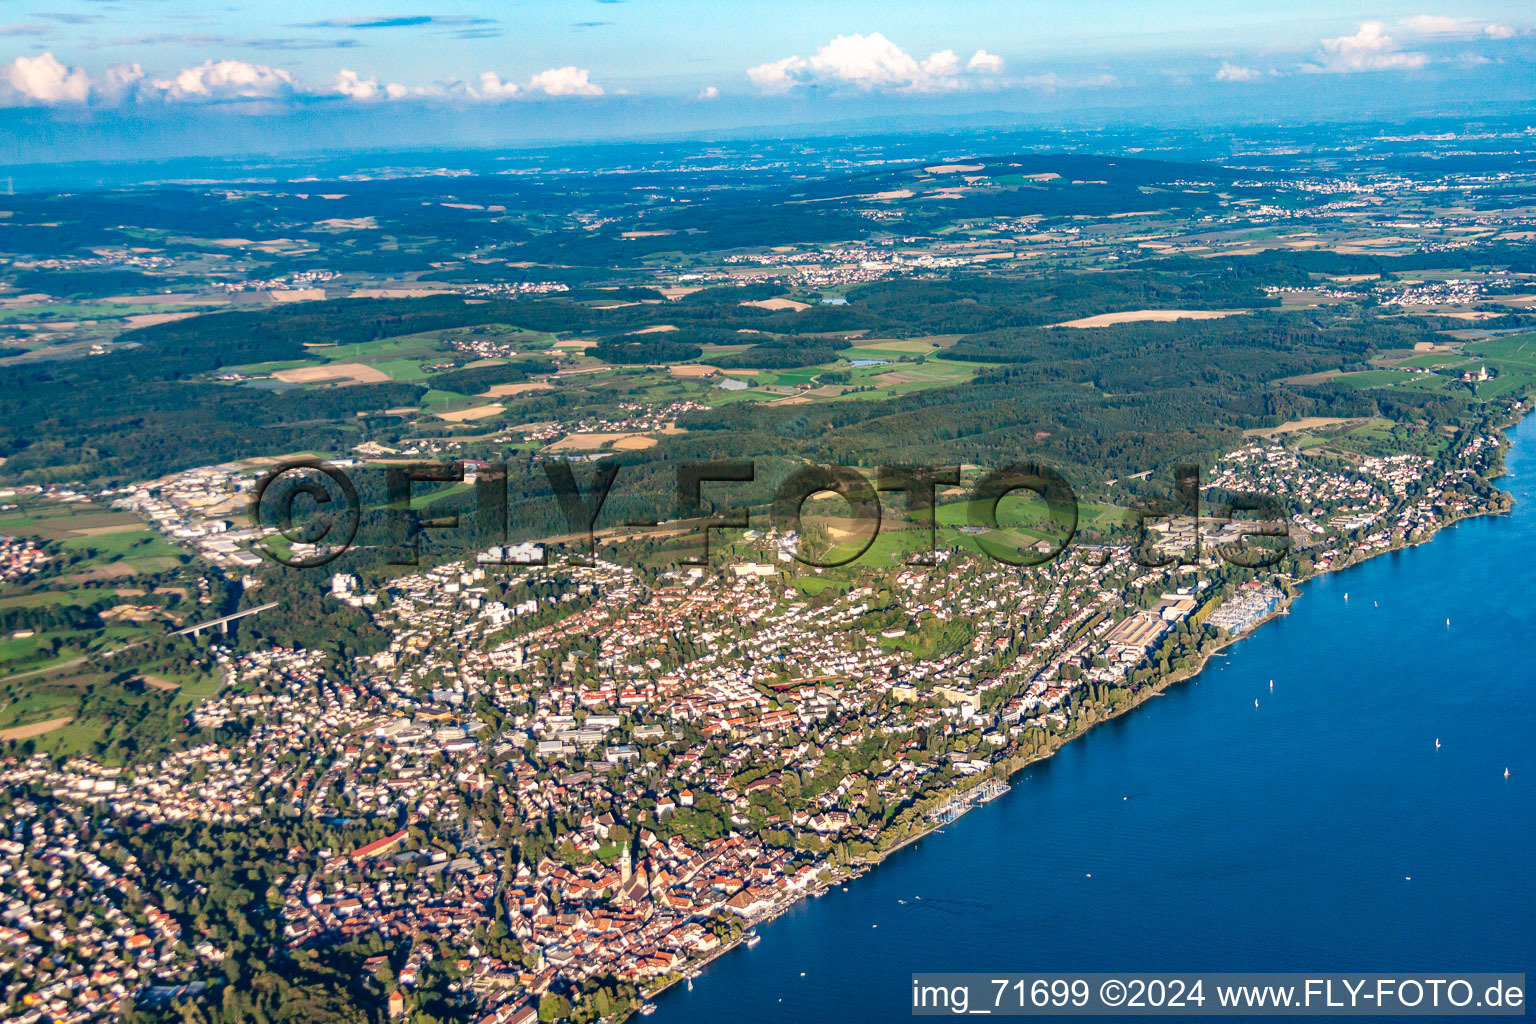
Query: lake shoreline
x=1140, y=698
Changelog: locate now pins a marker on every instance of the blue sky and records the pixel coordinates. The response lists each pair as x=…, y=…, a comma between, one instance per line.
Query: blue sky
x=76, y=70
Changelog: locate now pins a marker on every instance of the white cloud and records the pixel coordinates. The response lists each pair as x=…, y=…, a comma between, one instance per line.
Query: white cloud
x=227, y=80
x=1461, y=28
x=348, y=84
x=1369, y=49
x=491, y=87
x=871, y=62
x=777, y=76
x=943, y=64
x=1439, y=25
x=566, y=81
x=1229, y=72
x=709, y=92
x=118, y=83
x=43, y=79
x=989, y=63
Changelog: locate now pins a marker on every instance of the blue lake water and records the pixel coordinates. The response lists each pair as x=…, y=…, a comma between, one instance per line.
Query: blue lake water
x=1224, y=837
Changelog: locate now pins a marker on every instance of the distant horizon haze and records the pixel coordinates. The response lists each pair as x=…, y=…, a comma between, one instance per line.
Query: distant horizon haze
x=95, y=81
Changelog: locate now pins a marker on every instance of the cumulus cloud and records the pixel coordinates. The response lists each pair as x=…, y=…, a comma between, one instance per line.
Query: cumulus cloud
x=1369, y=49
x=489, y=86
x=776, y=76
x=943, y=64
x=567, y=81
x=989, y=63
x=227, y=80
x=119, y=82
x=1229, y=72
x=44, y=79
x=353, y=86
x=709, y=92
x=871, y=62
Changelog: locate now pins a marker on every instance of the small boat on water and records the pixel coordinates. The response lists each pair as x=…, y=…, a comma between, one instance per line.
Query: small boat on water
x=1255, y=702
x=753, y=939
x=647, y=1009
x=1506, y=773
x=1437, y=742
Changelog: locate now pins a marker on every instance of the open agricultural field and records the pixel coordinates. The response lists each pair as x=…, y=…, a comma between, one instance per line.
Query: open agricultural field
x=97, y=543
x=1402, y=379
x=1144, y=315
x=1511, y=349
x=360, y=373
x=1296, y=426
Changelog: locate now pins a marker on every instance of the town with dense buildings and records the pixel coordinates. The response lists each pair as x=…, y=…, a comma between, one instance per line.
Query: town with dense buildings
x=543, y=758
x=554, y=781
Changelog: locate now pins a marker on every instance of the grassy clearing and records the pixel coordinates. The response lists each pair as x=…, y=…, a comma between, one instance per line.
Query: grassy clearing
x=815, y=585
x=1512, y=357
x=1514, y=349
x=382, y=349
x=401, y=369
x=75, y=739
x=1435, y=359
x=57, y=598
x=35, y=517
x=262, y=369
x=1375, y=378
x=34, y=707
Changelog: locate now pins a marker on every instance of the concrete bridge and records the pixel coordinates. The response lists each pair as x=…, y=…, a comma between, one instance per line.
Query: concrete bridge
x=223, y=622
